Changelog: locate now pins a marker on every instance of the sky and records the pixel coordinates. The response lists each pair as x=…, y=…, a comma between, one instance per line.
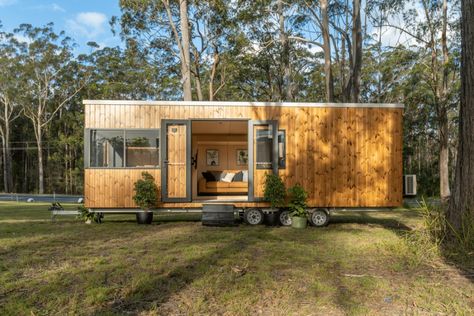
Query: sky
x=83, y=20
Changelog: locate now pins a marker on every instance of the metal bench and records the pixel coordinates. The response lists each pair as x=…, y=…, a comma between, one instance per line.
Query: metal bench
x=57, y=209
x=55, y=213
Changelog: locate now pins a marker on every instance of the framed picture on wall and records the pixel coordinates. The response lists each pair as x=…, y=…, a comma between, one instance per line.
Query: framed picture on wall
x=242, y=157
x=212, y=157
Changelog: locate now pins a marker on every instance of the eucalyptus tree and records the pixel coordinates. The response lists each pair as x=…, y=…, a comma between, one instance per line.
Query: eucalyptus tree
x=335, y=27
x=117, y=73
x=153, y=28
x=428, y=24
x=10, y=99
x=272, y=29
x=213, y=29
x=461, y=207
x=47, y=64
x=191, y=34
x=316, y=16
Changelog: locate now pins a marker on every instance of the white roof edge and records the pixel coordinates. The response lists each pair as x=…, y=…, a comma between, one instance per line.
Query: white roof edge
x=240, y=103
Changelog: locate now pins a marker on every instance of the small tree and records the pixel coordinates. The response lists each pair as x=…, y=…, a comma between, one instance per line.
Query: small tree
x=275, y=191
x=146, y=192
x=297, y=201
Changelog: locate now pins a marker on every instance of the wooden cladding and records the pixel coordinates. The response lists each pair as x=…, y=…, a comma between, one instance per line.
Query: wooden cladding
x=344, y=157
x=176, y=176
x=113, y=188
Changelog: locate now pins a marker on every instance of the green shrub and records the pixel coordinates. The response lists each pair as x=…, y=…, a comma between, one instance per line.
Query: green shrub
x=437, y=236
x=86, y=215
x=297, y=197
x=146, y=192
x=275, y=191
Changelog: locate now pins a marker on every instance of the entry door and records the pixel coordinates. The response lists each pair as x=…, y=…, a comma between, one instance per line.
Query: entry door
x=176, y=157
x=263, y=155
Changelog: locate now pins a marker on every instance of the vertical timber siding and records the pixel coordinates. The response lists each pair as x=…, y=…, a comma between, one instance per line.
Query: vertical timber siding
x=343, y=156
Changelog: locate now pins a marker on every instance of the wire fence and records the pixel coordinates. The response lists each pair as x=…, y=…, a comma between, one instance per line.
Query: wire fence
x=43, y=198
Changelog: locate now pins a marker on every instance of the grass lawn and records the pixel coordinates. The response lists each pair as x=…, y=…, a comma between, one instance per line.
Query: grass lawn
x=362, y=263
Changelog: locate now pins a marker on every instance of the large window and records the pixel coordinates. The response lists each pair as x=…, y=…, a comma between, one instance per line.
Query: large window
x=125, y=148
x=142, y=149
x=264, y=154
x=106, y=148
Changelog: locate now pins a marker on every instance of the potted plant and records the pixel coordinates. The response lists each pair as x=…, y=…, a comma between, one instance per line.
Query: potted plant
x=297, y=197
x=275, y=193
x=146, y=197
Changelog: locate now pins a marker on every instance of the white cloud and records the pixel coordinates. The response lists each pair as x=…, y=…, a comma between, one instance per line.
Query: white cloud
x=88, y=24
x=4, y=3
x=57, y=7
x=49, y=7
x=22, y=39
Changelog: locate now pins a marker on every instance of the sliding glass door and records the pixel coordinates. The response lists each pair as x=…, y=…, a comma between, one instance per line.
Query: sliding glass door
x=263, y=155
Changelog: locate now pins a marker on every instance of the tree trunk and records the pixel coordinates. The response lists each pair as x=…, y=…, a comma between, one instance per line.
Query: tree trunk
x=8, y=159
x=186, y=62
x=444, y=157
x=327, y=52
x=287, y=94
x=4, y=150
x=442, y=113
x=444, y=45
x=356, y=51
x=213, y=73
x=197, y=74
x=342, y=70
x=39, y=146
x=461, y=205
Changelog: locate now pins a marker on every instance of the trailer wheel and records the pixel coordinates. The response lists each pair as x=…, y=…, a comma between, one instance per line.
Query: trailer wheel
x=320, y=217
x=285, y=218
x=253, y=216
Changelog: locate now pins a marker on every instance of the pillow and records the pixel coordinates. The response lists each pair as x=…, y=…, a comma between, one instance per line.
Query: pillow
x=208, y=176
x=217, y=175
x=245, y=177
x=239, y=177
x=228, y=177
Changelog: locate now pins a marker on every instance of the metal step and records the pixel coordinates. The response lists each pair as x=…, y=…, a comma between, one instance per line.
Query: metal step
x=218, y=215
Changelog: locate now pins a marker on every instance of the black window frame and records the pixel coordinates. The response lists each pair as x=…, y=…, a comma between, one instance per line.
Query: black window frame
x=88, y=143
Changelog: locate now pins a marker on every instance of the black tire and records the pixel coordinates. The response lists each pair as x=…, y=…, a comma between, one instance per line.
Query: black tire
x=319, y=217
x=285, y=218
x=253, y=216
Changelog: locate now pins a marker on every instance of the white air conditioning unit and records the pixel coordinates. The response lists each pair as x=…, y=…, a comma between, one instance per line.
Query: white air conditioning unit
x=409, y=185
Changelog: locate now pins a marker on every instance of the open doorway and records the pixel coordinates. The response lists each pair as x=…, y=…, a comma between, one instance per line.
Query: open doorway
x=220, y=160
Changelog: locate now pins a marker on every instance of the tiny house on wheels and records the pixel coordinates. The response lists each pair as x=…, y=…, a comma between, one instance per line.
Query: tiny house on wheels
x=345, y=155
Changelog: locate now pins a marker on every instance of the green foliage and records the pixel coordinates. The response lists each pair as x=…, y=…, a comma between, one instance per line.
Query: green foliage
x=434, y=238
x=138, y=142
x=146, y=192
x=459, y=243
x=86, y=215
x=274, y=191
x=297, y=197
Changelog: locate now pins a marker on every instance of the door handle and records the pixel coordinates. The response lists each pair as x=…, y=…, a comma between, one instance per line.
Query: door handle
x=166, y=161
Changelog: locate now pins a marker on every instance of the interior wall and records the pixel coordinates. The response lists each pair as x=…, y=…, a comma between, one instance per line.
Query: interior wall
x=227, y=145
